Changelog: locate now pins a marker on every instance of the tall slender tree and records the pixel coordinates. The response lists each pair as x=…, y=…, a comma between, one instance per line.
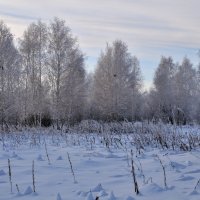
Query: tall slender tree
x=165, y=90
x=10, y=72
x=33, y=51
x=66, y=72
x=187, y=89
x=116, y=81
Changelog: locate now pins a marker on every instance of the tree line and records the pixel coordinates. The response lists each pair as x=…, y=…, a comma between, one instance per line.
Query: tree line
x=43, y=82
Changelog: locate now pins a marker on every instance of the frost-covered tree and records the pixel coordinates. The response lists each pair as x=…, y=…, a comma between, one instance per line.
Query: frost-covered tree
x=33, y=51
x=116, y=82
x=164, y=83
x=150, y=108
x=65, y=72
x=175, y=96
x=73, y=87
x=186, y=89
x=135, y=84
x=90, y=108
x=42, y=93
x=197, y=115
x=10, y=72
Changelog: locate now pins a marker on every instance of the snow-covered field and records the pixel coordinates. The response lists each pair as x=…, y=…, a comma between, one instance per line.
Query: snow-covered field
x=101, y=164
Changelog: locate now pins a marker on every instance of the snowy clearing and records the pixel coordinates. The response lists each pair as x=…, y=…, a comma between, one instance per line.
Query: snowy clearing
x=101, y=164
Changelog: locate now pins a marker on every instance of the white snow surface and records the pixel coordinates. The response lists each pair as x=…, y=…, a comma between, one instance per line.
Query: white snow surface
x=99, y=171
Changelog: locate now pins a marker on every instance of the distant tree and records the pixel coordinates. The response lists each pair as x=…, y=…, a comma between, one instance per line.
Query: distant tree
x=150, y=107
x=10, y=72
x=197, y=115
x=65, y=72
x=135, y=84
x=116, y=82
x=164, y=83
x=33, y=51
x=73, y=88
x=89, y=92
x=187, y=89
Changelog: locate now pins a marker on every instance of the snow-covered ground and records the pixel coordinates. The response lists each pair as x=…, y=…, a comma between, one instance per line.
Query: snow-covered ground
x=101, y=168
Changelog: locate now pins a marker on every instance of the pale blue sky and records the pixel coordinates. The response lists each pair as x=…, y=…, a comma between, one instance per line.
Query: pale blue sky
x=151, y=28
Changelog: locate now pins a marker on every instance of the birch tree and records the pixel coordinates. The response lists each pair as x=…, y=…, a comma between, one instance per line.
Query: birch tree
x=164, y=83
x=10, y=72
x=187, y=89
x=197, y=116
x=66, y=72
x=33, y=51
x=116, y=81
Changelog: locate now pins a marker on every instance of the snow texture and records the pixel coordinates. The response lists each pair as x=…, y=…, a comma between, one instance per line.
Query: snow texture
x=100, y=172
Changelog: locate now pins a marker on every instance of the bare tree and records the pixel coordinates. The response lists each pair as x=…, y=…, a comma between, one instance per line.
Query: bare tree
x=187, y=89
x=164, y=84
x=135, y=84
x=33, y=51
x=10, y=72
x=66, y=72
x=116, y=81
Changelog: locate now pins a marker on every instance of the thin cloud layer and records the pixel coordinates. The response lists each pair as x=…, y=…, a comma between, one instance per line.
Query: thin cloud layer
x=151, y=28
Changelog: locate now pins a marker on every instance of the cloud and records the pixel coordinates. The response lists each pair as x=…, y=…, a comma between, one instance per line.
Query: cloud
x=151, y=28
